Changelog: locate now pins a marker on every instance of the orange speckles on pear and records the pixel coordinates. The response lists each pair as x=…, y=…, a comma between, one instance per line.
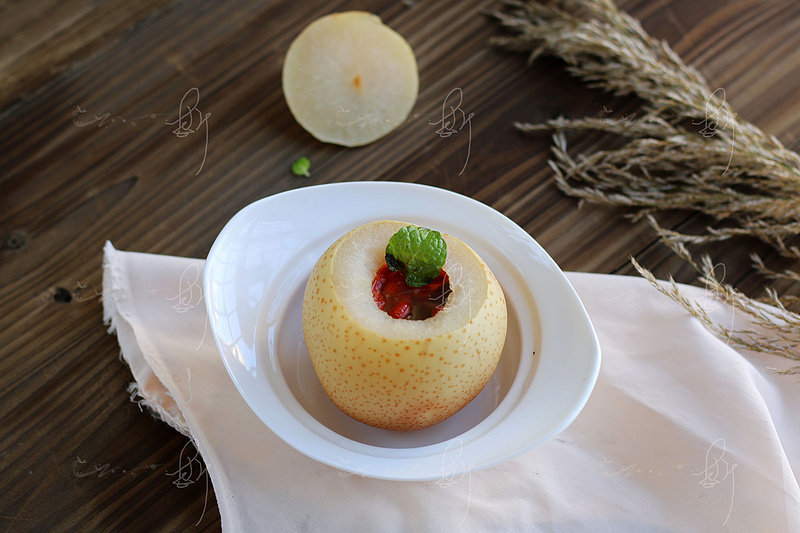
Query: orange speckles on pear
x=390, y=381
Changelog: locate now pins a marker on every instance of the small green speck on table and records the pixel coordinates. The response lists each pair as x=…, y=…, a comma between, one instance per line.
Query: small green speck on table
x=301, y=166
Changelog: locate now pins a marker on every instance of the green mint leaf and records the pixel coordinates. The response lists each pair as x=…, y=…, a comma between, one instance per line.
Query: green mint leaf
x=421, y=252
x=301, y=166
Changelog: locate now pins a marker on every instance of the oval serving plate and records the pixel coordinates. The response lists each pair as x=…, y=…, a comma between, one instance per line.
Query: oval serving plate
x=254, y=279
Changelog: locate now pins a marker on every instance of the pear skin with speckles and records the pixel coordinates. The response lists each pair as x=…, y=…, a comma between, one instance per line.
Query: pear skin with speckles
x=393, y=373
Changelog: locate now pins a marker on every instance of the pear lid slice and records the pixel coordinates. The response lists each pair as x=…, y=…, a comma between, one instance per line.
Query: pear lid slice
x=348, y=79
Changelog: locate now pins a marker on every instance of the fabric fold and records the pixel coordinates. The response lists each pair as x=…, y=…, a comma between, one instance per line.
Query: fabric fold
x=682, y=432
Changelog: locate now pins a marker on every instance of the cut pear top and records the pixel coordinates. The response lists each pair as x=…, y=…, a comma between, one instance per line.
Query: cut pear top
x=348, y=79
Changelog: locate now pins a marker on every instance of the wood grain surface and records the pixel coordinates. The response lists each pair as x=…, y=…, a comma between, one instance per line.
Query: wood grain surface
x=86, y=155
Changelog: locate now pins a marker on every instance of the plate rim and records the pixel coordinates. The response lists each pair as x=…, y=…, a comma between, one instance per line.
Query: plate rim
x=436, y=448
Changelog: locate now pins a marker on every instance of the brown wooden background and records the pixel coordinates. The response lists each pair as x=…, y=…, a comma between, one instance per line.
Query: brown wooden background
x=75, y=453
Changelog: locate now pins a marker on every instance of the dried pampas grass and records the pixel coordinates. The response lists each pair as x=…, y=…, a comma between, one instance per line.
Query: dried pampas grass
x=687, y=150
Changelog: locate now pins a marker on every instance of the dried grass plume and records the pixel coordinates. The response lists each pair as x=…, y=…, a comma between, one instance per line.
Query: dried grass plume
x=686, y=150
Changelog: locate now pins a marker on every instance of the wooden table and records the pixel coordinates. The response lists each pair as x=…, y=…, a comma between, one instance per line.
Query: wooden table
x=86, y=155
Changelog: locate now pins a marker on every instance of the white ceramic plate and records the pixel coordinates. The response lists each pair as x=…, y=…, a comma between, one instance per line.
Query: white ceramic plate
x=254, y=280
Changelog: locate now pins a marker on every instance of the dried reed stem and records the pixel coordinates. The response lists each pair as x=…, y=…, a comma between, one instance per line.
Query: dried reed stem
x=687, y=150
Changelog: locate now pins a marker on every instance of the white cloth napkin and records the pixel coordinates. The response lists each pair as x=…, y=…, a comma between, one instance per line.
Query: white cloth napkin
x=681, y=433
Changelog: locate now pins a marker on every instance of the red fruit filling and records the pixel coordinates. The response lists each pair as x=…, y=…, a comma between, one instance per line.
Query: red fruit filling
x=393, y=295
